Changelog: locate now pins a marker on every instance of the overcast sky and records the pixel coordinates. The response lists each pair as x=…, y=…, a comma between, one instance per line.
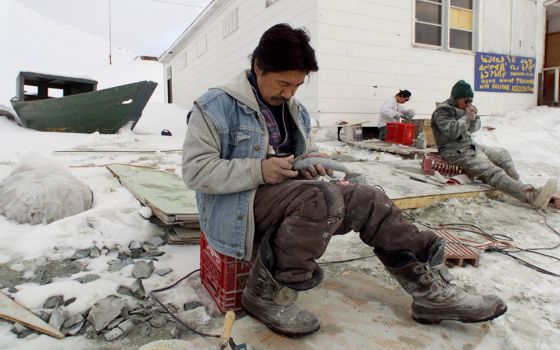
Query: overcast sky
x=147, y=27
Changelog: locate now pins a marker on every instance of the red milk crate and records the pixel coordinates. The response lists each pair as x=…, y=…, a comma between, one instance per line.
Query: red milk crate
x=391, y=132
x=432, y=163
x=399, y=133
x=224, y=277
x=405, y=136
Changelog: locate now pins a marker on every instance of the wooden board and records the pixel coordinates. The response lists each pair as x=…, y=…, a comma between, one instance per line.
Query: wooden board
x=12, y=311
x=165, y=193
x=360, y=311
x=427, y=200
x=401, y=150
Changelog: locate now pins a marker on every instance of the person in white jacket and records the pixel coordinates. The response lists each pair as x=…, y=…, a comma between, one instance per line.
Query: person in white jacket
x=392, y=110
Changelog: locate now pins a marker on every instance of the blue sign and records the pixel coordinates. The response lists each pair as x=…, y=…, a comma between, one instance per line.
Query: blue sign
x=504, y=73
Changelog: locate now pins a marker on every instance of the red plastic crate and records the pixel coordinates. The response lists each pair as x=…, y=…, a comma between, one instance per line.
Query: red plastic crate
x=223, y=276
x=399, y=133
x=432, y=163
x=392, y=130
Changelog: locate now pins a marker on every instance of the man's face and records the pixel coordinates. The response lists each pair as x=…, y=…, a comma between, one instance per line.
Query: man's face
x=277, y=87
x=464, y=102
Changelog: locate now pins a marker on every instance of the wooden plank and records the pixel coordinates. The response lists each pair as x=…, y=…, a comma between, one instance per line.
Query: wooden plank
x=427, y=200
x=401, y=150
x=165, y=193
x=360, y=311
x=12, y=311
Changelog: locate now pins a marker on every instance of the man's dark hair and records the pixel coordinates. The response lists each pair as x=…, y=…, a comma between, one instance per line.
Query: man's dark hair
x=283, y=48
x=404, y=93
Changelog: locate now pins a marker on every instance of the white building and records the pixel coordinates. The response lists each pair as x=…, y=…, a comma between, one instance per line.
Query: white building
x=369, y=49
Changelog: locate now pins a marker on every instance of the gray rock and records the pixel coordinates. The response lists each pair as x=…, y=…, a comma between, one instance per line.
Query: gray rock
x=113, y=334
x=152, y=254
x=164, y=271
x=90, y=333
x=152, y=243
x=94, y=252
x=137, y=289
x=138, y=318
x=124, y=290
x=43, y=315
x=75, y=329
x=20, y=330
x=106, y=310
x=192, y=305
x=80, y=254
x=73, y=320
x=123, y=255
x=127, y=326
x=118, y=264
x=90, y=277
x=53, y=302
x=57, y=318
x=115, y=322
x=158, y=321
x=13, y=290
x=69, y=301
x=145, y=329
x=143, y=269
x=136, y=249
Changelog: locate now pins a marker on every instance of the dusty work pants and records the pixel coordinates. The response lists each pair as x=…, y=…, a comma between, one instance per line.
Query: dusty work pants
x=308, y=213
x=492, y=165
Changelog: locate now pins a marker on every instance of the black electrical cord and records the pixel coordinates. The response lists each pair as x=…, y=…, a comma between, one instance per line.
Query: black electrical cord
x=172, y=315
x=494, y=237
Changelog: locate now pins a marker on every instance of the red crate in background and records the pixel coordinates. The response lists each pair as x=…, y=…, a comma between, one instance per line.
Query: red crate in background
x=399, y=133
x=391, y=132
x=432, y=163
x=223, y=276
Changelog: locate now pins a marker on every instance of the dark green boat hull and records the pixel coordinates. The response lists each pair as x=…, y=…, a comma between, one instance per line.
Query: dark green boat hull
x=105, y=111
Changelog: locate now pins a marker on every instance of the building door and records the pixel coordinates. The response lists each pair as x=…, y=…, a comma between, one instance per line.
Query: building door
x=550, y=76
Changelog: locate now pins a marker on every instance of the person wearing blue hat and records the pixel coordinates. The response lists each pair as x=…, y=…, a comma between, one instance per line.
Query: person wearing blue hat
x=453, y=122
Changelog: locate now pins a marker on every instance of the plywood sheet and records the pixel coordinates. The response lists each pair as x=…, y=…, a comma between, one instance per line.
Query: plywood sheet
x=165, y=193
x=360, y=311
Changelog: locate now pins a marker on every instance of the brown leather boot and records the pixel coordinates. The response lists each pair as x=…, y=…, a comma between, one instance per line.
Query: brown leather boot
x=274, y=304
x=434, y=298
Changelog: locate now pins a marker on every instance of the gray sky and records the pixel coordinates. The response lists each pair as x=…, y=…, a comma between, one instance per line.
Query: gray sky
x=146, y=27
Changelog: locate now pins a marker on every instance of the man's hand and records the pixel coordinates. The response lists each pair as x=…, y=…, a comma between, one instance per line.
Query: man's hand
x=317, y=170
x=471, y=112
x=276, y=170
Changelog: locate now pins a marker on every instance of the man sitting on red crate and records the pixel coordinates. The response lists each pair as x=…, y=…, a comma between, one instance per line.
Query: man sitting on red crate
x=393, y=110
x=453, y=122
x=238, y=155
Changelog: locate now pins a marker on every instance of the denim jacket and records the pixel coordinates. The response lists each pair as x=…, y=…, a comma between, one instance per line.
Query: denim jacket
x=227, y=138
x=452, y=130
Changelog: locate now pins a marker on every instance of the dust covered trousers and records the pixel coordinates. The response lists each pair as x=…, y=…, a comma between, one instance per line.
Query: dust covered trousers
x=306, y=214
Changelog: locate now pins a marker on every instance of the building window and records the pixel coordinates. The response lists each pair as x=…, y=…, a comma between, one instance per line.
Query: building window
x=268, y=3
x=230, y=23
x=445, y=23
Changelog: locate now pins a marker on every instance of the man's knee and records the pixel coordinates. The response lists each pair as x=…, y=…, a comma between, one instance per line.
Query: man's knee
x=319, y=200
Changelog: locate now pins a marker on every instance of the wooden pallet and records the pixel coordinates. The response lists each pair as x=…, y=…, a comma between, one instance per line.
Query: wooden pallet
x=457, y=254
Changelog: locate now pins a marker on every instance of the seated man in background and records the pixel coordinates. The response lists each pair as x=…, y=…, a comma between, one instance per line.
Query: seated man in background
x=392, y=110
x=238, y=156
x=453, y=122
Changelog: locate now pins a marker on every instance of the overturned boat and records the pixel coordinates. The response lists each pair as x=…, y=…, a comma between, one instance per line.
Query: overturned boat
x=65, y=104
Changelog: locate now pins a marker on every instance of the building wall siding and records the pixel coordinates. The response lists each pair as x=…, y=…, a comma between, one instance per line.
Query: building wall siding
x=226, y=57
